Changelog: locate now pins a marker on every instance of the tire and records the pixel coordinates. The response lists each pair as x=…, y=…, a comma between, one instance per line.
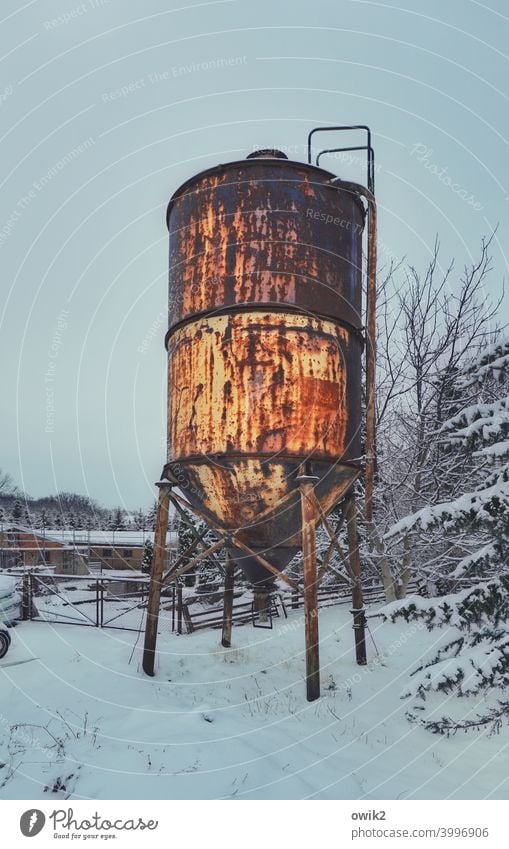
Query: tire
x=5, y=641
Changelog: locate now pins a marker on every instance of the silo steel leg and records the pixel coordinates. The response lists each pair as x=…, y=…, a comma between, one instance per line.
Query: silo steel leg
x=359, y=616
x=226, y=639
x=154, y=596
x=309, y=519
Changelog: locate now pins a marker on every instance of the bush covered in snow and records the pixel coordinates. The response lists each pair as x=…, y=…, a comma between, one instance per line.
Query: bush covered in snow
x=471, y=658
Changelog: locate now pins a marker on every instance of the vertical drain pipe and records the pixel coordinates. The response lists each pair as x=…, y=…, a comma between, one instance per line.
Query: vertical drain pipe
x=358, y=610
x=370, y=470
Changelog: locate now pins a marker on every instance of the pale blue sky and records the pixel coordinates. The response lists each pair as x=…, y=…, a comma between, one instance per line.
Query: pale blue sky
x=84, y=250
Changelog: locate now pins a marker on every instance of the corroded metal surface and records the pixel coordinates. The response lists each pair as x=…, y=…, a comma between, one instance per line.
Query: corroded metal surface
x=265, y=232
x=264, y=348
x=263, y=383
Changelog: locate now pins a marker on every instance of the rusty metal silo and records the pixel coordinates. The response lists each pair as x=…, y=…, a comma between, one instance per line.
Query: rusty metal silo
x=265, y=339
x=264, y=347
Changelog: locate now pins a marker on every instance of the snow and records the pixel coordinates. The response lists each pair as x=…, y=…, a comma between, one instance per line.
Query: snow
x=463, y=668
x=416, y=601
x=476, y=415
x=499, y=449
x=484, y=422
x=423, y=605
x=487, y=551
x=450, y=512
x=231, y=723
x=493, y=360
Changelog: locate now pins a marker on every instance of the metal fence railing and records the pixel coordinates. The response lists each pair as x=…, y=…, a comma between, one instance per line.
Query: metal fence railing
x=118, y=602
x=84, y=600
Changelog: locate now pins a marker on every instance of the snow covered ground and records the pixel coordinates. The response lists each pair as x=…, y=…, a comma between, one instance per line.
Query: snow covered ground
x=80, y=720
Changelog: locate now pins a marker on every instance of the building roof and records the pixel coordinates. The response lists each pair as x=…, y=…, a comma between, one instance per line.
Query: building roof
x=107, y=538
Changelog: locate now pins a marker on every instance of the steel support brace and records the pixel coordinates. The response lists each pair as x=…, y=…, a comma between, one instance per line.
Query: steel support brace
x=158, y=579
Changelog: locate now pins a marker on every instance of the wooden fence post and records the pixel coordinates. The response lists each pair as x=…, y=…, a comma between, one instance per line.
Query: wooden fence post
x=97, y=614
x=188, y=620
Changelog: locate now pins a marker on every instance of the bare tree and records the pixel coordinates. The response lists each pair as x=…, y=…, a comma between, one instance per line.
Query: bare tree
x=428, y=325
x=7, y=486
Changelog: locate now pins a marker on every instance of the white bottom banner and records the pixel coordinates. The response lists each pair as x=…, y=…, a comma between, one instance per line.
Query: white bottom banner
x=193, y=823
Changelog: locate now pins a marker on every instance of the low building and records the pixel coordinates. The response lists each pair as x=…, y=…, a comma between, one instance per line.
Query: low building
x=66, y=549
x=24, y=547
x=113, y=549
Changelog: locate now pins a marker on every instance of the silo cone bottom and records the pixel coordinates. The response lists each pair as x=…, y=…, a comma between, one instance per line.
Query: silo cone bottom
x=278, y=556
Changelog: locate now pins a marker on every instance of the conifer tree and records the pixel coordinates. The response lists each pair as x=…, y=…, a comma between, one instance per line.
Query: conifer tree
x=477, y=521
x=148, y=555
x=475, y=660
